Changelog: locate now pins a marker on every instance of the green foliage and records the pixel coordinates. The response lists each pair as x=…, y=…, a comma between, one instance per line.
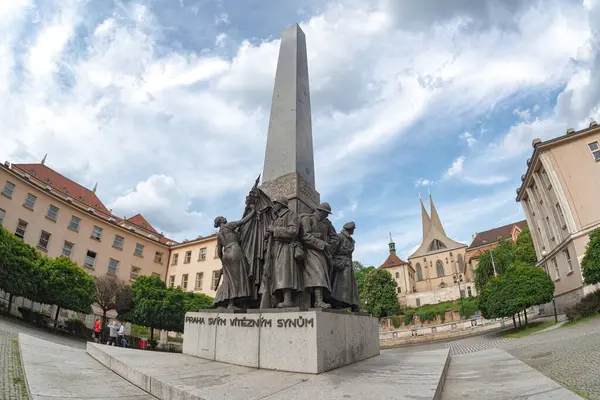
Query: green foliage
x=428, y=312
x=521, y=287
x=33, y=317
x=378, y=293
x=19, y=267
x=159, y=307
x=588, y=305
x=505, y=255
x=590, y=265
x=66, y=285
x=360, y=272
x=426, y=315
x=112, y=293
x=395, y=321
x=408, y=316
x=442, y=315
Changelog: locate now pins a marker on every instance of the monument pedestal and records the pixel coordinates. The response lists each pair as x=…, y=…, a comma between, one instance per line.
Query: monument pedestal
x=311, y=341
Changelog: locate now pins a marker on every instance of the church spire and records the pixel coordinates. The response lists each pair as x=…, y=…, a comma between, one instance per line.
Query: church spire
x=435, y=218
x=425, y=221
x=95, y=187
x=392, y=245
x=44, y=159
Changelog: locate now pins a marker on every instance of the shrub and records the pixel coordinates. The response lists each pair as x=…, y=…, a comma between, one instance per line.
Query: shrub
x=408, y=317
x=588, y=305
x=427, y=315
x=78, y=329
x=442, y=315
x=33, y=317
x=395, y=321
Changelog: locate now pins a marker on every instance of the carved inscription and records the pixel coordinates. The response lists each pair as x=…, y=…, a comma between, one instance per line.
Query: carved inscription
x=260, y=322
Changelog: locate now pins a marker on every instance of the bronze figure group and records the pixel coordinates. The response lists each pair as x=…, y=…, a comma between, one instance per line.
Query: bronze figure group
x=274, y=257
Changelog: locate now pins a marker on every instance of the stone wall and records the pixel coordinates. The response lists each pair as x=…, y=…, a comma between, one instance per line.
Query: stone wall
x=385, y=324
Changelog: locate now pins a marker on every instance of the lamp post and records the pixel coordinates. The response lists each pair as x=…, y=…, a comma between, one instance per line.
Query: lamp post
x=544, y=254
x=492, y=256
x=458, y=279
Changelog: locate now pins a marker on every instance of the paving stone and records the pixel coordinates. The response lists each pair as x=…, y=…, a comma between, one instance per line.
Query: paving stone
x=12, y=382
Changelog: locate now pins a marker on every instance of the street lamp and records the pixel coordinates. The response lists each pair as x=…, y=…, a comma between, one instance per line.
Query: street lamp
x=458, y=279
x=544, y=254
x=492, y=256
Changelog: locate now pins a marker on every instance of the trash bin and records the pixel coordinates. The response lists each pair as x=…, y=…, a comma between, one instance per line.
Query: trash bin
x=143, y=344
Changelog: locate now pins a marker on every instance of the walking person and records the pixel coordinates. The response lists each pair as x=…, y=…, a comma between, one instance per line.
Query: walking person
x=120, y=334
x=112, y=337
x=97, y=330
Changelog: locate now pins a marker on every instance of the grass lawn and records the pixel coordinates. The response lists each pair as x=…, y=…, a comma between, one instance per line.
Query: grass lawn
x=581, y=320
x=526, y=331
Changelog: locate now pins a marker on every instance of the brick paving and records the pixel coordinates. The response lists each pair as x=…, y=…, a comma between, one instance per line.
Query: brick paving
x=12, y=382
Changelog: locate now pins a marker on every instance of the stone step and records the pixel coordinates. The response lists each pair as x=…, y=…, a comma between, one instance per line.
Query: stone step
x=496, y=375
x=54, y=371
x=390, y=375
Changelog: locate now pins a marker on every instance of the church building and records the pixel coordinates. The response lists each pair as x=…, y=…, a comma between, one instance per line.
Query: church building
x=436, y=271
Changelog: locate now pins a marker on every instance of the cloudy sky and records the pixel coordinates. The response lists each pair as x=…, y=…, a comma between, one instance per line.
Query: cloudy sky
x=166, y=103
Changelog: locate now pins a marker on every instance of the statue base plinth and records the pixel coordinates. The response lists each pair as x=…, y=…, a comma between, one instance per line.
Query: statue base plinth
x=311, y=341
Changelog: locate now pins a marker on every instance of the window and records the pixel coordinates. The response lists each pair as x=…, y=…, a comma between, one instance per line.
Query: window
x=139, y=250
x=74, y=224
x=556, y=270
x=202, y=255
x=461, y=264
x=418, y=302
x=172, y=281
x=399, y=289
x=96, y=233
x=594, y=148
x=90, y=259
x=547, y=221
x=184, y=281
x=469, y=291
x=561, y=216
x=397, y=275
x=199, y=279
x=30, y=201
x=8, y=190
x=158, y=257
x=135, y=272
x=44, y=239
x=568, y=258
x=67, y=250
x=215, y=280
x=175, y=259
x=2, y=212
x=112, y=266
x=439, y=265
x=419, y=272
x=436, y=245
x=188, y=257
x=118, y=242
x=21, y=228
x=52, y=213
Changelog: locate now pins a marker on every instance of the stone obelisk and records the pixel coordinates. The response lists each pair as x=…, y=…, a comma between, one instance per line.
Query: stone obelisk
x=289, y=168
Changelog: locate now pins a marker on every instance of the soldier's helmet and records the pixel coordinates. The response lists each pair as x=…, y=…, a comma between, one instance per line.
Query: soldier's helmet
x=324, y=207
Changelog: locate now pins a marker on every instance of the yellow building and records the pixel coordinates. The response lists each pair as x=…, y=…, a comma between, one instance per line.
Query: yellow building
x=559, y=195
x=60, y=217
x=402, y=272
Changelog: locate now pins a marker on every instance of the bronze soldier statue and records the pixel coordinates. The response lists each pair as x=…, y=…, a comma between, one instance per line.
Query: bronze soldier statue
x=319, y=237
x=285, y=252
x=236, y=285
x=344, y=291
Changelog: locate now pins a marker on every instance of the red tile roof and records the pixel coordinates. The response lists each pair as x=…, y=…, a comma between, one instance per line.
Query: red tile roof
x=63, y=185
x=67, y=187
x=139, y=220
x=496, y=234
x=392, y=261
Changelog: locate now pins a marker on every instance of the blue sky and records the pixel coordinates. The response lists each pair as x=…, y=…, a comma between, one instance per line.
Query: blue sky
x=166, y=103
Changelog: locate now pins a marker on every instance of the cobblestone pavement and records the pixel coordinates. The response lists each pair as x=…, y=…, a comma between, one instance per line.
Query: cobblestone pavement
x=12, y=382
x=569, y=355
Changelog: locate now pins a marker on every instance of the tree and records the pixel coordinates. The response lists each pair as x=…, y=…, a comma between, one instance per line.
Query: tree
x=66, y=285
x=520, y=287
x=524, y=249
x=148, y=296
x=19, y=268
x=379, y=293
x=504, y=256
x=112, y=293
x=195, y=302
x=590, y=265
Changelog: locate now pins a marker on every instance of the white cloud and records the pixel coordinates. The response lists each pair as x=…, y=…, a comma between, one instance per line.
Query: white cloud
x=455, y=169
x=423, y=182
x=469, y=138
